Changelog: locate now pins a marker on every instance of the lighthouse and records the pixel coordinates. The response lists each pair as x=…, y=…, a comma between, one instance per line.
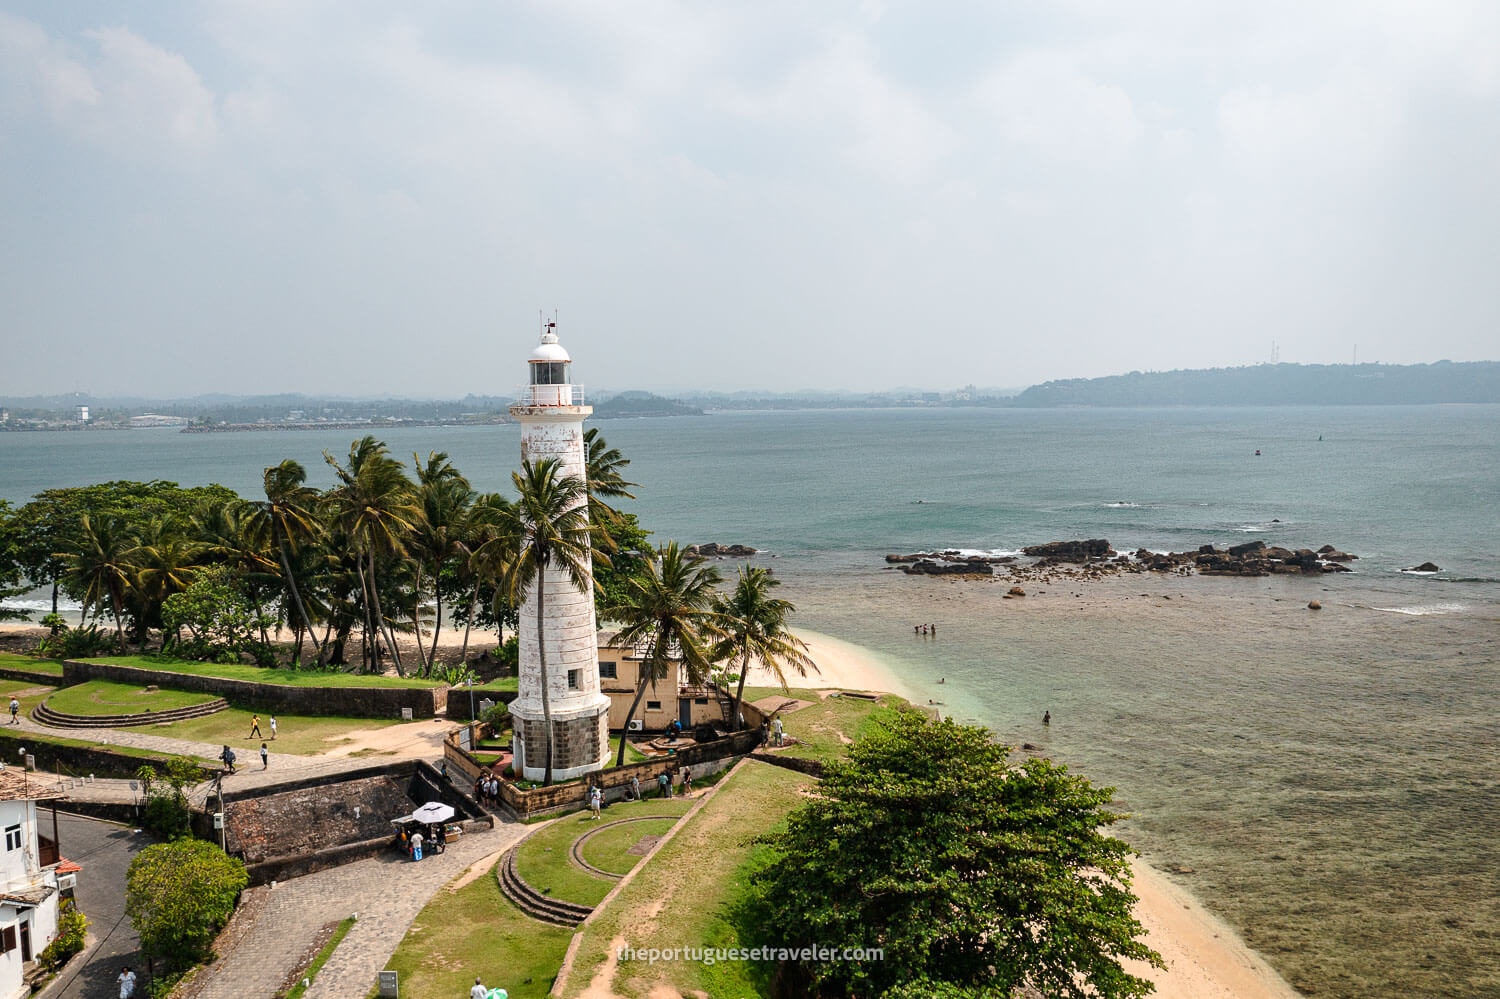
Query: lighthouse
x=551, y=414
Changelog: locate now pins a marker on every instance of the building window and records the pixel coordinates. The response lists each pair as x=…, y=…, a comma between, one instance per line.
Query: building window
x=700, y=700
x=12, y=838
x=573, y=678
x=653, y=705
x=609, y=671
x=7, y=940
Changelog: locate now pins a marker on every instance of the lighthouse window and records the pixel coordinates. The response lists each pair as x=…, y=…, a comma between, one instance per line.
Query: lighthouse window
x=573, y=678
x=549, y=373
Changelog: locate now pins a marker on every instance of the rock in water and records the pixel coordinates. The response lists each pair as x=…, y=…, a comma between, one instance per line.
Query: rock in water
x=1016, y=591
x=1314, y=605
x=1424, y=567
x=1071, y=551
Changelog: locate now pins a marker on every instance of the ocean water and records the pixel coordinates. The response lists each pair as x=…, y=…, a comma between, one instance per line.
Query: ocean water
x=1330, y=778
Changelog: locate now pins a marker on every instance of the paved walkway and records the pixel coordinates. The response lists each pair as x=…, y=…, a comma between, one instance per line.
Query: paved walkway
x=415, y=740
x=387, y=891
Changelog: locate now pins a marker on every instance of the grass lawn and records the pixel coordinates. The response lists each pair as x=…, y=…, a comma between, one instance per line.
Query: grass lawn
x=284, y=677
x=297, y=734
x=12, y=661
x=10, y=741
x=825, y=728
x=688, y=889
x=543, y=861
x=104, y=697
x=473, y=932
x=610, y=849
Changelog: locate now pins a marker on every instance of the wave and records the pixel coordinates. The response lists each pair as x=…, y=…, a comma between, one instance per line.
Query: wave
x=1123, y=505
x=41, y=606
x=1424, y=610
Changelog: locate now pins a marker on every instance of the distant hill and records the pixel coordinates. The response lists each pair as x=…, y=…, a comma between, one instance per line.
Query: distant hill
x=1279, y=385
x=634, y=404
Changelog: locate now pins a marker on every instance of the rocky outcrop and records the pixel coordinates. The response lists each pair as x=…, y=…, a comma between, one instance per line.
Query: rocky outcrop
x=715, y=550
x=934, y=567
x=1424, y=567
x=1071, y=551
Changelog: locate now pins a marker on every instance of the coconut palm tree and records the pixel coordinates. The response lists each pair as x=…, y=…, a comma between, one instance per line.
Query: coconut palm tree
x=493, y=541
x=603, y=465
x=669, y=608
x=551, y=525
x=439, y=534
x=289, y=515
x=97, y=569
x=756, y=631
x=374, y=506
x=164, y=562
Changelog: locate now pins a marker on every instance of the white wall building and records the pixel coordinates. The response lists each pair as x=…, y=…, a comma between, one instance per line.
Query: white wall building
x=29, y=882
x=551, y=414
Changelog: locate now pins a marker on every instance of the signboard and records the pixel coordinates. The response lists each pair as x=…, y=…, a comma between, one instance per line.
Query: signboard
x=463, y=739
x=388, y=988
x=406, y=714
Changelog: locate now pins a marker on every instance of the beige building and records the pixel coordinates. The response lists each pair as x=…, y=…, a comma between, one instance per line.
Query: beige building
x=672, y=697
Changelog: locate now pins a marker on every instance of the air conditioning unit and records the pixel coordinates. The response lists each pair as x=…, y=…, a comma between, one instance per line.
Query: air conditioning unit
x=67, y=881
x=636, y=725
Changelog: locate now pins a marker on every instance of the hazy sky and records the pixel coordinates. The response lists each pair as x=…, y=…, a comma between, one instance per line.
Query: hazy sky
x=288, y=195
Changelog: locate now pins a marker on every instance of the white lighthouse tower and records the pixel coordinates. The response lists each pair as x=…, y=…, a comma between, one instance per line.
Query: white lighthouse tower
x=551, y=414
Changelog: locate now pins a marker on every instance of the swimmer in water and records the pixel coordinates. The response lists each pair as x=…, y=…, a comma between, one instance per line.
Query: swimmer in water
x=1046, y=717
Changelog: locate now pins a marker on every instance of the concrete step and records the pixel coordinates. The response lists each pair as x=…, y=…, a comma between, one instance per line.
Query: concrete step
x=534, y=903
x=58, y=719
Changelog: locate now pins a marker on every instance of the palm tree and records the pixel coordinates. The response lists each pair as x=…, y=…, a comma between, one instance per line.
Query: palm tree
x=164, y=562
x=373, y=504
x=603, y=465
x=98, y=567
x=669, y=606
x=438, y=536
x=289, y=511
x=755, y=626
x=551, y=524
x=494, y=542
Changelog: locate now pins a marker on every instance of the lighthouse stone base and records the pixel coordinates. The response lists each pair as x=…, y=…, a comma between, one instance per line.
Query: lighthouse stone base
x=580, y=741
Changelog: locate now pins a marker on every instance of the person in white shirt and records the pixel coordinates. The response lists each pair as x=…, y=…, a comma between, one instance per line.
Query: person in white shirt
x=416, y=846
x=478, y=991
x=127, y=983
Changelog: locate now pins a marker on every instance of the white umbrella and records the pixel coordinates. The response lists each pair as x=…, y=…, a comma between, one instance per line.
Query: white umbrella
x=433, y=811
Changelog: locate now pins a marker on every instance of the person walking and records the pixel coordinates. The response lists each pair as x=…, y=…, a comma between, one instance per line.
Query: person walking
x=478, y=991
x=127, y=983
x=1047, y=717
x=273, y=728
x=687, y=780
x=255, y=728
x=635, y=787
x=416, y=845
x=265, y=757
x=15, y=711
x=664, y=779
x=228, y=757
x=777, y=730
x=596, y=799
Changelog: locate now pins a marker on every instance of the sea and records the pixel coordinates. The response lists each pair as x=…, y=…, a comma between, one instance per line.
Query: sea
x=1327, y=781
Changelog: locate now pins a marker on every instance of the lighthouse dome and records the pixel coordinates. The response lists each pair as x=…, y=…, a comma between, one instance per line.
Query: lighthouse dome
x=549, y=350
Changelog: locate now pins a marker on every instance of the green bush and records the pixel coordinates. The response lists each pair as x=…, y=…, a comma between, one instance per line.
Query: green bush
x=167, y=816
x=179, y=894
x=498, y=718
x=77, y=643
x=72, y=928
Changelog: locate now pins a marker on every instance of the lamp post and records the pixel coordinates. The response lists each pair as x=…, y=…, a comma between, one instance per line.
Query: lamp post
x=472, y=717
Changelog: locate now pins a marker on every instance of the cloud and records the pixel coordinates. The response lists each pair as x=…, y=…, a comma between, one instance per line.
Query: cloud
x=1043, y=103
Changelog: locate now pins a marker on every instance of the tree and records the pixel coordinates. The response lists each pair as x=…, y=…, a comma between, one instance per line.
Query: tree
x=630, y=551
x=98, y=568
x=373, y=504
x=290, y=513
x=163, y=562
x=439, y=535
x=551, y=525
x=668, y=607
x=10, y=568
x=963, y=870
x=603, y=466
x=494, y=542
x=756, y=631
x=219, y=621
x=179, y=894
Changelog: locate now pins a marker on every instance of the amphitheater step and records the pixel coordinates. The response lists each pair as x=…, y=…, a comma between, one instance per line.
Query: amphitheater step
x=534, y=903
x=59, y=719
